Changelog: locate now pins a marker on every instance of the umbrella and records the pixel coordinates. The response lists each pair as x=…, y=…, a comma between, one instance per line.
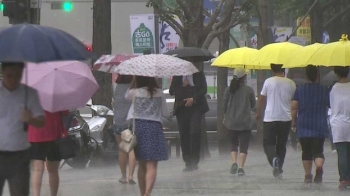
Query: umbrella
x=107, y=63
x=276, y=53
x=300, y=57
x=62, y=85
x=35, y=43
x=237, y=57
x=191, y=53
x=156, y=65
x=333, y=54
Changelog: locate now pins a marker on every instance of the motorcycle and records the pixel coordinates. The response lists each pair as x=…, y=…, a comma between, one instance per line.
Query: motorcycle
x=91, y=138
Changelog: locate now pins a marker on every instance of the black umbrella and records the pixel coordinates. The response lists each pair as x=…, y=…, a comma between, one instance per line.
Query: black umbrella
x=192, y=54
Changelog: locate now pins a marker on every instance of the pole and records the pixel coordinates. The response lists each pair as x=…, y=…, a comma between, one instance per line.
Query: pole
x=34, y=11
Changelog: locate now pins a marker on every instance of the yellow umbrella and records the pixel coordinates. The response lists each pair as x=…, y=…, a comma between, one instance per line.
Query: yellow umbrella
x=300, y=57
x=333, y=54
x=234, y=58
x=276, y=53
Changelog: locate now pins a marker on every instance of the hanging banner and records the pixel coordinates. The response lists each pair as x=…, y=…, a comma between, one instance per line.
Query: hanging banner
x=142, y=33
x=168, y=38
x=280, y=34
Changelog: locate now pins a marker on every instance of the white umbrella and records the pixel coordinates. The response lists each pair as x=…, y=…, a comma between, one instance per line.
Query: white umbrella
x=156, y=65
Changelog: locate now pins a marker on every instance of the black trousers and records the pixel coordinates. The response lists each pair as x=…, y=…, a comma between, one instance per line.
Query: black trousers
x=275, y=140
x=14, y=167
x=189, y=121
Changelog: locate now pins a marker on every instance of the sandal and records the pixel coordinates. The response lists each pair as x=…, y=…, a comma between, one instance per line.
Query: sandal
x=123, y=181
x=132, y=181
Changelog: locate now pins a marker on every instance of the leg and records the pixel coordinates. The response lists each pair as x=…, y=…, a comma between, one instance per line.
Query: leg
x=141, y=175
x=19, y=181
x=151, y=175
x=54, y=179
x=318, y=156
x=195, y=131
x=343, y=161
x=184, y=130
x=293, y=139
x=269, y=141
x=38, y=167
x=282, y=139
x=306, y=147
x=132, y=165
x=123, y=161
x=234, y=146
x=244, y=138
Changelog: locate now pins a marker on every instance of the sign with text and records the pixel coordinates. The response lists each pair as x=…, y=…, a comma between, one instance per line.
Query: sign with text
x=305, y=29
x=142, y=32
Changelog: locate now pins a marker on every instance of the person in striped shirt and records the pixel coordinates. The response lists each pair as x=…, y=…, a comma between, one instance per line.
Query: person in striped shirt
x=309, y=115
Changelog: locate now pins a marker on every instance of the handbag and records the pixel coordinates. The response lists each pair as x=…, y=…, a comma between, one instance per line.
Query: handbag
x=67, y=144
x=128, y=137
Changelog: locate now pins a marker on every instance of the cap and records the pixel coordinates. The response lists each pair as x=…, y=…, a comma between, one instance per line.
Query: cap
x=239, y=72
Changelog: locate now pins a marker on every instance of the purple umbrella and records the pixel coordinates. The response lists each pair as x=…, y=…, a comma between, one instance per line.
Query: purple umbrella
x=62, y=85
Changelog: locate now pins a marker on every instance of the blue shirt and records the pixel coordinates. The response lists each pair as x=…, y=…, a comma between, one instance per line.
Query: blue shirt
x=313, y=103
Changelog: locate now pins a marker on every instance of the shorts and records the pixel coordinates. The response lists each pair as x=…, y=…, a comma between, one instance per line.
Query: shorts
x=312, y=148
x=118, y=130
x=45, y=151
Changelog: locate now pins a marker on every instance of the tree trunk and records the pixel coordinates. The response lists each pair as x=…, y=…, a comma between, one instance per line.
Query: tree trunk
x=222, y=73
x=102, y=44
x=316, y=18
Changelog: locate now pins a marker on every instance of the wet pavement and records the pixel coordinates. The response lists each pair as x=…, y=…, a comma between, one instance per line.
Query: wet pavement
x=213, y=178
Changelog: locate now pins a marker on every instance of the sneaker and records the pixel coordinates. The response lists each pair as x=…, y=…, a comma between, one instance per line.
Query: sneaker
x=241, y=172
x=234, y=168
x=344, y=185
x=308, y=179
x=195, y=168
x=318, y=176
x=276, y=171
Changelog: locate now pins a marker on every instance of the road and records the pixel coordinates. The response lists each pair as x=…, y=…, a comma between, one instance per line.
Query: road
x=213, y=178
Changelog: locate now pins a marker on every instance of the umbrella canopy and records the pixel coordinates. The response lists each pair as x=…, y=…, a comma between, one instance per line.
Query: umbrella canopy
x=238, y=57
x=36, y=43
x=107, y=63
x=191, y=53
x=61, y=85
x=301, y=56
x=333, y=54
x=276, y=53
x=156, y=65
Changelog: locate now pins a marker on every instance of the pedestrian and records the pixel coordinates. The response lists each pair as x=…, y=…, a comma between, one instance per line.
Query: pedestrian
x=189, y=107
x=45, y=149
x=239, y=100
x=340, y=123
x=20, y=106
x=309, y=116
x=121, y=108
x=277, y=94
x=147, y=109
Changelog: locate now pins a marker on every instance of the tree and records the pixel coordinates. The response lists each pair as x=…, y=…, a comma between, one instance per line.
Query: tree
x=102, y=44
x=194, y=32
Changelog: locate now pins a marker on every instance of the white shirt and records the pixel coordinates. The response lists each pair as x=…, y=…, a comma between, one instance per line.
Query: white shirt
x=147, y=108
x=13, y=137
x=340, y=112
x=279, y=92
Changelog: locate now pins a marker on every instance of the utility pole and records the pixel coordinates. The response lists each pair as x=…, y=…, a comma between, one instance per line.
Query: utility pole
x=34, y=11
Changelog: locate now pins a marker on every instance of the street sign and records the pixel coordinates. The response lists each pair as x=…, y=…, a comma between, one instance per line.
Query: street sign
x=35, y=3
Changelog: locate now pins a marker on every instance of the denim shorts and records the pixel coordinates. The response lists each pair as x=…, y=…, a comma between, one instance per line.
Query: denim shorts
x=118, y=130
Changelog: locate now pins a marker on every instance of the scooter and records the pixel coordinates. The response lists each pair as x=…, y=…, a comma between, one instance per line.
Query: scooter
x=91, y=138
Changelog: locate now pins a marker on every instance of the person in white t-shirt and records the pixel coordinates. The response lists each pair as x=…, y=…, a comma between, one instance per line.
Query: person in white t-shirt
x=340, y=123
x=277, y=94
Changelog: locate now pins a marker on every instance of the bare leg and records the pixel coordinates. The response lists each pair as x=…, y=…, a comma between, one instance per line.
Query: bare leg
x=242, y=158
x=141, y=175
x=132, y=165
x=151, y=175
x=234, y=155
x=307, y=167
x=123, y=161
x=54, y=179
x=319, y=162
x=37, y=176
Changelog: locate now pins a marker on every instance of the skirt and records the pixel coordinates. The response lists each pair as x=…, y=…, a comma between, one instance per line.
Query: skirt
x=151, y=144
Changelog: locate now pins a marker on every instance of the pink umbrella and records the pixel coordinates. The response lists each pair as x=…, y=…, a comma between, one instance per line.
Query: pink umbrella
x=62, y=85
x=107, y=63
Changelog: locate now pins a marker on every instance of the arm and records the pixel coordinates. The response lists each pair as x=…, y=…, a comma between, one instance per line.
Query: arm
x=226, y=99
x=261, y=106
x=172, y=86
x=252, y=99
x=34, y=115
x=129, y=94
x=295, y=107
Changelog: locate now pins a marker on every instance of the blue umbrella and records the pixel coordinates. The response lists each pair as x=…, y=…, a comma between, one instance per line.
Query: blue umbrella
x=34, y=43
